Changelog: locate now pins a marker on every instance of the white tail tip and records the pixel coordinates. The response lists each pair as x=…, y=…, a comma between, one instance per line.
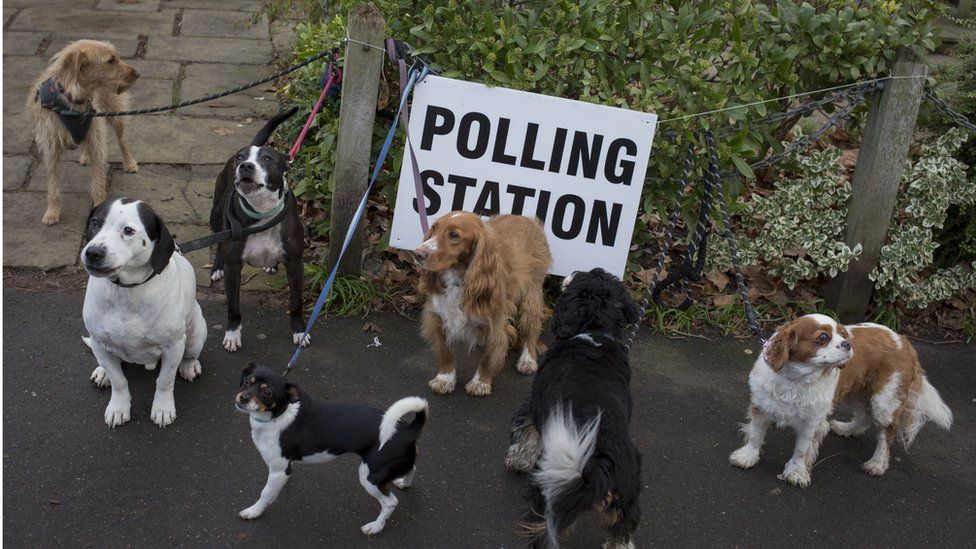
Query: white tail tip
x=400, y=408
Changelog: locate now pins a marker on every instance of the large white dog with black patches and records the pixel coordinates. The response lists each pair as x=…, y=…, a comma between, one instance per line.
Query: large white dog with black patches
x=140, y=306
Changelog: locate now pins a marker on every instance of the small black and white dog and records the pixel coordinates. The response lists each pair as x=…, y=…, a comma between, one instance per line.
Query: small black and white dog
x=140, y=305
x=251, y=190
x=583, y=455
x=289, y=427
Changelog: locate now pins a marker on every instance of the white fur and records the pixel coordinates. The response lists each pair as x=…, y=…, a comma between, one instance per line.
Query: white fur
x=262, y=199
x=566, y=448
x=587, y=338
x=264, y=249
x=159, y=321
x=885, y=403
x=429, y=246
x=388, y=503
x=321, y=457
x=445, y=381
x=266, y=434
x=458, y=326
x=400, y=408
x=927, y=406
x=406, y=480
x=298, y=336
x=216, y=275
x=526, y=364
x=233, y=338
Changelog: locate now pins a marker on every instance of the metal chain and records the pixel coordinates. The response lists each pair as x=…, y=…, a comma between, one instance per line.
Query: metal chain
x=954, y=115
x=204, y=99
x=751, y=318
x=668, y=234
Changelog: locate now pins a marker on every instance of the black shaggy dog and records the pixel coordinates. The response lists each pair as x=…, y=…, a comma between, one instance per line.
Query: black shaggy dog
x=583, y=455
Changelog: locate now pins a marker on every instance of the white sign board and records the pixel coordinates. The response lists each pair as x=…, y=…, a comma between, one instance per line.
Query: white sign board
x=578, y=167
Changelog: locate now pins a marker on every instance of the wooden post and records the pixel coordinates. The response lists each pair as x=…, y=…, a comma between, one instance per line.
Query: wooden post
x=360, y=86
x=880, y=163
x=965, y=9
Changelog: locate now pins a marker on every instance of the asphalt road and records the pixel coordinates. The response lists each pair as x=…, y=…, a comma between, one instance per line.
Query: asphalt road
x=70, y=481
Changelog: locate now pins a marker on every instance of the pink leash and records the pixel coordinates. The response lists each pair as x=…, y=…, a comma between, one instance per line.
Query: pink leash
x=334, y=76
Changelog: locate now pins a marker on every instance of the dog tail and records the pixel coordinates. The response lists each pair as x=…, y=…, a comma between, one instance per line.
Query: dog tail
x=925, y=404
x=265, y=133
x=400, y=408
x=568, y=479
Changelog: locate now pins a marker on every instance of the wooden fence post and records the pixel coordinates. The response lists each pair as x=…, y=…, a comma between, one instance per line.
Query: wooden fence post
x=880, y=163
x=360, y=87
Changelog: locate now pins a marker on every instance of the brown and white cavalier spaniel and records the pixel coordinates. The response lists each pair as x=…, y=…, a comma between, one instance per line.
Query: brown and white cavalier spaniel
x=483, y=282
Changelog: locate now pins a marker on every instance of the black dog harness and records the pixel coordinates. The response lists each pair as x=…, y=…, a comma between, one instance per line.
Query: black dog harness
x=53, y=96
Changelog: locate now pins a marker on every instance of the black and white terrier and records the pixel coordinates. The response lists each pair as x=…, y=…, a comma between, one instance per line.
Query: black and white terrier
x=252, y=191
x=289, y=427
x=573, y=431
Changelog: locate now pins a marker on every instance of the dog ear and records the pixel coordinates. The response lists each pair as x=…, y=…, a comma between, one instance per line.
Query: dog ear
x=73, y=61
x=165, y=245
x=778, y=352
x=248, y=370
x=572, y=310
x=481, y=278
x=293, y=391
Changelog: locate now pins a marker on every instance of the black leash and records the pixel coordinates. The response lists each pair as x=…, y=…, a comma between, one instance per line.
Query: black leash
x=236, y=231
x=86, y=114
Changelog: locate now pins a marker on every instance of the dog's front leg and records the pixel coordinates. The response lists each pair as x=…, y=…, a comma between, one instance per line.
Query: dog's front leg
x=128, y=161
x=797, y=471
x=164, y=403
x=432, y=329
x=233, y=337
x=119, y=406
x=295, y=270
x=51, y=153
x=496, y=347
x=526, y=446
x=755, y=433
x=277, y=478
x=95, y=150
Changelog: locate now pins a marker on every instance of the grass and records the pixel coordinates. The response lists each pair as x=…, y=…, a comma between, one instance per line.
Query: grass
x=969, y=325
x=350, y=296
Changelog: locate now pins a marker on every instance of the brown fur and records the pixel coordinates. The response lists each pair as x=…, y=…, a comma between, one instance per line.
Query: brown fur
x=797, y=341
x=88, y=70
x=503, y=264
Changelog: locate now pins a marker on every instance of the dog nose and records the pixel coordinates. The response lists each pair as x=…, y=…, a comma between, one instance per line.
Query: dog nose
x=421, y=253
x=94, y=254
x=135, y=74
x=246, y=167
x=845, y=344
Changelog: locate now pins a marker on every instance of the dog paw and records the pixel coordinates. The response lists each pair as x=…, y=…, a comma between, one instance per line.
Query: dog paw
x=51, y=216
x=232, y=339
x=520, y=459
x=795, y=475
x=270, y=270
x=251, y=512
x=845, y=428
x=744, y=457
x=163, y=410
x=100, y=378
x=478, y=387
x=117, y=412
x=297, y=336
x=373, y=528
x=526, y=364
x=401, y=483
x=190, y=368
x=83, y=159
x=131, y=167
x=875, y=467
x=150, y=367
x=443, y=383
x=216, y=275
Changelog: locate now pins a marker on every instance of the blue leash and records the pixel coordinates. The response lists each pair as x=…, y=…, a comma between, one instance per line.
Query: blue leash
x=327, y=289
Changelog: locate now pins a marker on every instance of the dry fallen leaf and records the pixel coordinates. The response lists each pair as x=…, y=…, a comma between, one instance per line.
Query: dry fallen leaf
x=370, y=327
x=224, y=132
x=718, y=278
x=723, y=300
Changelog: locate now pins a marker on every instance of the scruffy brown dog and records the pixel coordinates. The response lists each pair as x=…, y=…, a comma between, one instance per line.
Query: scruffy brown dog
x=85, y=74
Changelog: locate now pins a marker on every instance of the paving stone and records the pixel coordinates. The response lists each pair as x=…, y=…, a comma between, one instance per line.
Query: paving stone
x=238, y=5
x=150, y=92
x=256, y=280
x=7, y=14
x=94, y=23
x=17, y=133
x=125, y=45
x=200, y=259
x=164, y=188
x=21, y=42
x=183, y=140
x=29, y=243
x=224, y=24
x=15, y=171
x=205, y=78
x=213, y=50
x=283, y=37
x=75, y=178
x=199, y=192
x=128, y=5
x=18, y=77
x=49, y=3
x=152, y=69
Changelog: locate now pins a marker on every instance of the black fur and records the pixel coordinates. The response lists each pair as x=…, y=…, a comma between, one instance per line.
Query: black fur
x=591, y=374
x=158, y=233
x=229, y=257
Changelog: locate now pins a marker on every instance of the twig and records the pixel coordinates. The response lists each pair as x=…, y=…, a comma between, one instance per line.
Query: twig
x=699, y=336
x=823, y=460
x=931, y=342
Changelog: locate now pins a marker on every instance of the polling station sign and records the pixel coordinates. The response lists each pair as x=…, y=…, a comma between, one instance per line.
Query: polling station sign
x=578, y=167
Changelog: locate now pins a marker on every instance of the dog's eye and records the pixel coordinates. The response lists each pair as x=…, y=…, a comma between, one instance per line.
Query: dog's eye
x=266, y=392
x=453, y=235
x=96, y=223
x=239, y=157
x=823, y=338
x=128, y=231
x=267, y=158
x=113, y=60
